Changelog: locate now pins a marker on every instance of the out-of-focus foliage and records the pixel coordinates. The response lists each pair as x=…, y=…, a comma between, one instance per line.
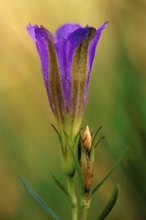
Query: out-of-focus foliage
x=28, y=145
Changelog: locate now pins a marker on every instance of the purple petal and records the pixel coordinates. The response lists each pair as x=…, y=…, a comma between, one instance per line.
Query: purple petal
x=41, y=40
x=93, y=44
x=65, y=30
x=79, y=74
x=91, y=52
x=65, y=51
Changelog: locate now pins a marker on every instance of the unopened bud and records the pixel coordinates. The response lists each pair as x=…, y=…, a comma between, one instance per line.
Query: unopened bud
x=87, y=139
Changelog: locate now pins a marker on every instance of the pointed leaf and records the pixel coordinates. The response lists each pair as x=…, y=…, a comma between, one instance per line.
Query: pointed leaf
x=109, y=173
x=95, y=139
x=100, y=139
x=39, y=200
x=57, y=132
x=109, y=206
x=62, y=187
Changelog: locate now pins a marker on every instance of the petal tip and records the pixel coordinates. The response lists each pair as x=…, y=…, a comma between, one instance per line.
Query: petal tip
x=31, y=31
x=104, y=25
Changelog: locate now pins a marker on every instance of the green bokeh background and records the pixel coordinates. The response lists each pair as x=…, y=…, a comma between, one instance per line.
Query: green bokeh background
x=116, y=100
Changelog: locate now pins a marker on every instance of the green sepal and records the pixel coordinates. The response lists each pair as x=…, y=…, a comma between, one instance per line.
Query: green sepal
x=39, y=200
x=108, y=174
x=62, y=187
x=58, y=134
x=110, y=204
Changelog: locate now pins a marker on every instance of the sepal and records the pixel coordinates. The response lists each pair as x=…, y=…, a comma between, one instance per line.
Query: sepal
x=58, y=134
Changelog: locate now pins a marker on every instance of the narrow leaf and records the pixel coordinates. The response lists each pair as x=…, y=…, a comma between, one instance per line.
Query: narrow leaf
x=62, y=187
x=57, y=132
x=109, y=206
x=100, y=139
x=95, y=139
x=109, y=173
x=39, y=200
x=79, y=171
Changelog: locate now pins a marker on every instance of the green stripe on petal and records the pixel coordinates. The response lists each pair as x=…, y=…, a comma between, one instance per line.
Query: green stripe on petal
x=79, y=75
x=54, y=80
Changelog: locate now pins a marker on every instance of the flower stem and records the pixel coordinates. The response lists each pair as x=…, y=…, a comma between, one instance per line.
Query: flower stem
x=84, y=208
x=71, y=190
x=84, y=212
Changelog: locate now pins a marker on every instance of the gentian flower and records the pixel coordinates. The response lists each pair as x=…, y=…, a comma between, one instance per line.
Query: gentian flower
x=66, y=61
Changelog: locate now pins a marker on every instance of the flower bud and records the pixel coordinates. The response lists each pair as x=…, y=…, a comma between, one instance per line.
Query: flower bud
x=87, y=138
x=86, y=161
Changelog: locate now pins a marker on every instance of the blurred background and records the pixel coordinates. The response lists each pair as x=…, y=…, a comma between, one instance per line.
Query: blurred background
x=28, y=145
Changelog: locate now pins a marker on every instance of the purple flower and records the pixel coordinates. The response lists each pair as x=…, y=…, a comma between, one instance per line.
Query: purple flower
x=66, y=61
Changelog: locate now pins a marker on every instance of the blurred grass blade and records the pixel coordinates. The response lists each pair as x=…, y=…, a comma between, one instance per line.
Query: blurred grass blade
x=39, y=200
x=109, y=206
x=109, y=173
x=62, y=187
x=79, y=171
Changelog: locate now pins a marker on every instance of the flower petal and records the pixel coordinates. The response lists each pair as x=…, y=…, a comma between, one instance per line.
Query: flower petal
x=65, y=50
x=91, y=53
x=54, y=79
x=65, y=30
x=41, y=40
x=79, y=74
x=93, y=44
x=45, y=45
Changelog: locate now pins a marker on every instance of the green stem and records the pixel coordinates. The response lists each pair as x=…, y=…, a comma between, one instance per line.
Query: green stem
x=84, y=212
x=84, y=208
x=71, y=190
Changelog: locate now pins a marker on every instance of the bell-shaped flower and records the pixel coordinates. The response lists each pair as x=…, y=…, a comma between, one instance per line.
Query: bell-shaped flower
x=66, y=61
